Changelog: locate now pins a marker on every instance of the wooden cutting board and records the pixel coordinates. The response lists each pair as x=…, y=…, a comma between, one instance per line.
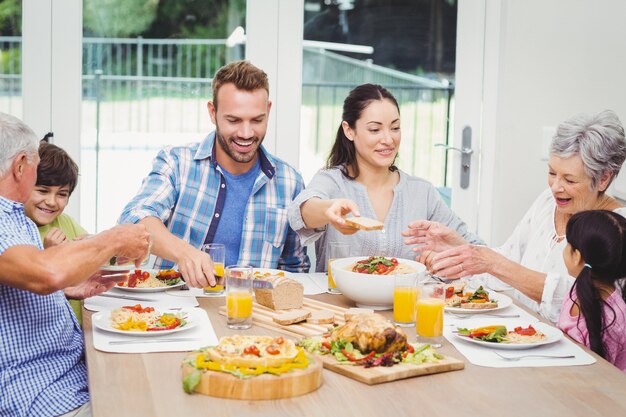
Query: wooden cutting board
x=379, y=374
x=262, y=387
x=262, y=316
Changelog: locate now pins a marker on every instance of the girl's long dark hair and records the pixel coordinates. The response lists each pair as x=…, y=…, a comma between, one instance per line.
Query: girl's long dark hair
x=343, y=153
x=600, y=237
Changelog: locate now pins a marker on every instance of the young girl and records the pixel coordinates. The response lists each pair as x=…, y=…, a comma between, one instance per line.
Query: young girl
x=595, y=311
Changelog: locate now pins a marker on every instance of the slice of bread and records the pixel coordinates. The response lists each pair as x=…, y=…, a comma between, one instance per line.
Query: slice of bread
x=351, y=312
x=364, y=223
x=292, y=316
x=321, y=317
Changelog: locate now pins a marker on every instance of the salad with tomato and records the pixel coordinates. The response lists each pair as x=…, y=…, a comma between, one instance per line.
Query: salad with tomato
x=500, y=334
x=375, y=265
x=346, y=354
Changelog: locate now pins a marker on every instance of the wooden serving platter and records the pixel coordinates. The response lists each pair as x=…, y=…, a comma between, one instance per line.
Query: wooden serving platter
x=379, y=374
x=262, y=316
x=262, y=387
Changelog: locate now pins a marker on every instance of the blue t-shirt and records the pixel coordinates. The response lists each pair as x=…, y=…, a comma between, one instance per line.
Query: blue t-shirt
x=238, y=189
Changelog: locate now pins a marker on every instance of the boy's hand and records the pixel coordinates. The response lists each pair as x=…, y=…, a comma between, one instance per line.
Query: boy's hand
x=54, y=237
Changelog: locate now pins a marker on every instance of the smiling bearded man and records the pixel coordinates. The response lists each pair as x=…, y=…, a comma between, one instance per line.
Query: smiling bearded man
x=234, y=193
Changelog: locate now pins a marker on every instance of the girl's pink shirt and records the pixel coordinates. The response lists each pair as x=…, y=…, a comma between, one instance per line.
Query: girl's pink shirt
x=614, y=338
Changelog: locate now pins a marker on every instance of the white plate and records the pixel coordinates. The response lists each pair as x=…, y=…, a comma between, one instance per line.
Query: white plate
x=151, y=289
x=503, y=302
x=552, y=335
x=102, y=320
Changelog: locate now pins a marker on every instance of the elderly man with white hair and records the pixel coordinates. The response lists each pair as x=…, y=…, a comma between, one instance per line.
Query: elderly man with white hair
x=42, y=369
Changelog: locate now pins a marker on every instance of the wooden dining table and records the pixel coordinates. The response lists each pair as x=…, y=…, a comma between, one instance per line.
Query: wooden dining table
x=150, y=385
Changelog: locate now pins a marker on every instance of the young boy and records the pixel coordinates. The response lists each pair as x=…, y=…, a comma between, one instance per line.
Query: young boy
x=57, y=175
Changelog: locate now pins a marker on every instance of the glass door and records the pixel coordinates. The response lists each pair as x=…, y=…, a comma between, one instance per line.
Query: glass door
x=147, y=71
x=406, y=46
x=11, y=57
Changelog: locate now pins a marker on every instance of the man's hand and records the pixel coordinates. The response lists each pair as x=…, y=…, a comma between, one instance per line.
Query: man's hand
x=134, y=242
x=94, y=285
x=54, y=237
x=336, y=212
x=196, y=268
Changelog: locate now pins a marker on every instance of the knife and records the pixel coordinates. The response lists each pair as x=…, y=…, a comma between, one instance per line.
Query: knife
x=127, y=297
x=126, y=342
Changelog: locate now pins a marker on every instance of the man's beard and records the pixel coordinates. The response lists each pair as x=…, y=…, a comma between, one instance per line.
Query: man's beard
x=233, y=154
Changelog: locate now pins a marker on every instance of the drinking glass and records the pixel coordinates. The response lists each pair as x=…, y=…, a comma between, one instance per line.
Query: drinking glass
x=336, y=250
x=239, y=296
x=404, y=300
x=431, y=300
x=217, y=252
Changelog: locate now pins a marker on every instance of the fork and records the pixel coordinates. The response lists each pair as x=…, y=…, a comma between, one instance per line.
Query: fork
x=133, y=341
x=517, y=358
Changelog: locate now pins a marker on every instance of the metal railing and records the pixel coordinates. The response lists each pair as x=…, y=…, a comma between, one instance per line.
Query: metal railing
x=162, y=85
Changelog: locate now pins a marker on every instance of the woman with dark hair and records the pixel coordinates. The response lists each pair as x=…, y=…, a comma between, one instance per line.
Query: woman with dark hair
x=594, y=313
x=361, y=178
x=586, y=154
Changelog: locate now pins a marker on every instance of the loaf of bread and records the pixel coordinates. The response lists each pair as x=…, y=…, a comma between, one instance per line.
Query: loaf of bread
x=286, y=294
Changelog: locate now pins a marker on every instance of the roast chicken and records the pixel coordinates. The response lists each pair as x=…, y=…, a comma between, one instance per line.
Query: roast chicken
x=371, y=332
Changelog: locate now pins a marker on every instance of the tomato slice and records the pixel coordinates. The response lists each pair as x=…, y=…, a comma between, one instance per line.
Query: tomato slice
x=529, y=331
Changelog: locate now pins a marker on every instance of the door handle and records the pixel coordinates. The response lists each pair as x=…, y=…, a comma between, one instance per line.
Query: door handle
x=464, y=151
x=466, y=155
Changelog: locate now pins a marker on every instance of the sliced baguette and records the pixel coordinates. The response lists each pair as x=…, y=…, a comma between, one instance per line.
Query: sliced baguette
x=364, y=223
x=292, y=316
x=321, y=317
x=351, y=312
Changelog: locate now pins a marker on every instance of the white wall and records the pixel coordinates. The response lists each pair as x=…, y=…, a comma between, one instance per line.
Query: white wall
x=555, y=59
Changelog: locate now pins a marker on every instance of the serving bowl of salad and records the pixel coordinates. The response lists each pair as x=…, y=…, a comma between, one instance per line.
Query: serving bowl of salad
x=369, y=281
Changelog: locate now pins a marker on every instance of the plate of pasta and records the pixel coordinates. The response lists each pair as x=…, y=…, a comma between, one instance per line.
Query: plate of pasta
x=519, y=337
x=142, y=321
x=151, y=280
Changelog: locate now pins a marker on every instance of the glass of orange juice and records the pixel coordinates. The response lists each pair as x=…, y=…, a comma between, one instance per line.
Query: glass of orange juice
x=431, y=300
x=336, y=250
x=217, y=252
x=239, y=296
x=404, y=300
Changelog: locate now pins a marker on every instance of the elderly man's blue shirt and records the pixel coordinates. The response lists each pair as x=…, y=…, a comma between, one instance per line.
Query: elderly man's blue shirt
x=42, y=369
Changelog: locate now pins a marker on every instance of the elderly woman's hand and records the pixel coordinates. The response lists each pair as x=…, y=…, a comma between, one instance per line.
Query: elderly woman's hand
x=336, y=212
x=431, y=236
x=426, y=257
x=464, y=260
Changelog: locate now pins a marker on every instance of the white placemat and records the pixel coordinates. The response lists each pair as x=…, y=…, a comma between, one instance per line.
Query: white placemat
x=314, y=283
x=202, y=334
x=484, y=319
x=158, y=300
x=484, y=356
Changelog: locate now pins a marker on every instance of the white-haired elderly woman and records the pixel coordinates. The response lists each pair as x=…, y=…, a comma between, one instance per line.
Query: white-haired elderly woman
x=586, y=154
